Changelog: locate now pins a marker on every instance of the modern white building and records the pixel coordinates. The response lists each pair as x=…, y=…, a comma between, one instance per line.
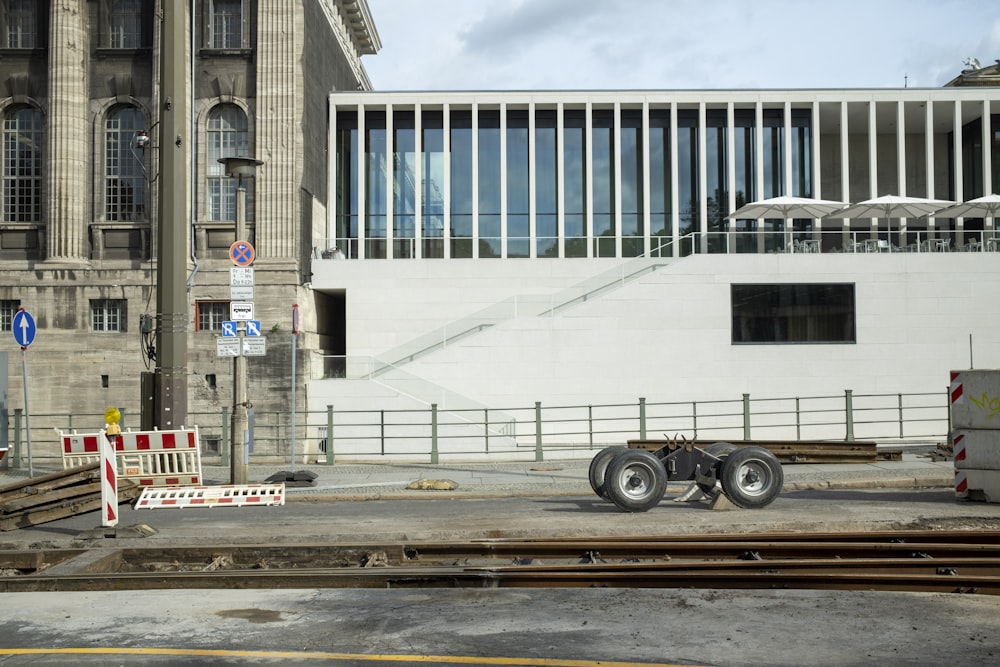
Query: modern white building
x=573, y=247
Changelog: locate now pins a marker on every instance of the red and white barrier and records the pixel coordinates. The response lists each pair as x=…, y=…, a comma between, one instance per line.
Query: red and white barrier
x=232, y=495
x=109, y=484
x=151, y=458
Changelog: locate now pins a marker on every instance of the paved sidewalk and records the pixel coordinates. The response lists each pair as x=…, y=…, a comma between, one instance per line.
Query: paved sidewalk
x=361, y=481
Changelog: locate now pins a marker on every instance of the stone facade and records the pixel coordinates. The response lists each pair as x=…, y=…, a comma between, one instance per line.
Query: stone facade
x=85, y=265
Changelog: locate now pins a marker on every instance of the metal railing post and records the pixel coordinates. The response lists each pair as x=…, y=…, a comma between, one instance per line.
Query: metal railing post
x=381, y=430
x=849, y=410
x=486, y=428
x=329, y=435
x=642, y=418
x=434, y=433
x=900, y=399
x=590, y=425
x=798, y=420
x=538, y=431
x=694, y=420
x=223, y=444
x=16, y=461
x=746, y=416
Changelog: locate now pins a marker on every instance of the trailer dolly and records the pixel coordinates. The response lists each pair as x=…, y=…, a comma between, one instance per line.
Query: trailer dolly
x=635, y=480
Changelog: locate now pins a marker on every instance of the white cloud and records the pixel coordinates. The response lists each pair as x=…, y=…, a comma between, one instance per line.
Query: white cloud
x=676, y=44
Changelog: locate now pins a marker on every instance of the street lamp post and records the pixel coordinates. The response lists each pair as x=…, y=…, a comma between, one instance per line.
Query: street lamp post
x=240, y=168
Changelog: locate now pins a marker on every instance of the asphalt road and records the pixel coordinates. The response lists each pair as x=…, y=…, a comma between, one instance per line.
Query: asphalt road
x=504, y=626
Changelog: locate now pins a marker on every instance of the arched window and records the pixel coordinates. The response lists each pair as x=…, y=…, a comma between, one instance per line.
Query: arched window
x=124, y=172
x=227, y=137
x=22, y=165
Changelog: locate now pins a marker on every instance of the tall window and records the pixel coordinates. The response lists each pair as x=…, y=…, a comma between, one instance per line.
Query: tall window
x=575, y=169
x=546, y=184
x=22, y=165
x=631, y=183
x=433, y=183
x=376, y=192
x=8, y=309
x=461, y=183
x=603, y=183
x=108, y=314
x=404, y=191
x=210, y=315
x=20, y=24
x=489, y=183
x=124, y=176
x=518, y=179
x=227, y=137
x=125, y=29
x=226, y=24
x=660, y=204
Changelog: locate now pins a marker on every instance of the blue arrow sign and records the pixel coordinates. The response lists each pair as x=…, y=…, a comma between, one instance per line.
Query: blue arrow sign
x=253, y=327
x=229, y=328
x=23, y=326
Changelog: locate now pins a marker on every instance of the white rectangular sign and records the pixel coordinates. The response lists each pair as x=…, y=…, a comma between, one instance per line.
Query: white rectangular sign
x=241, y=276
x=241, y=292
x=227, y=347
x=241, y=311
x=254, y=347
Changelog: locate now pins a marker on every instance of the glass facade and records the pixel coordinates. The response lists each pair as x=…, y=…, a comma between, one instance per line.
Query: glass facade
x=592, y=176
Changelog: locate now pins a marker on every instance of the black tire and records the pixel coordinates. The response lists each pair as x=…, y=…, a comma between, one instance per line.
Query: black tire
x=635, y=480
x=599, y=467
x=752, y=477
x=720, y=450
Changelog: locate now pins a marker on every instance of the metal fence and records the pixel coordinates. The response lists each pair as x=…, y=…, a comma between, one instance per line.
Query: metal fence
x=536, y=432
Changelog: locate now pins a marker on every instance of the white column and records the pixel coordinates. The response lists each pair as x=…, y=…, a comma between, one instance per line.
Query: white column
x=730, y=174
x=616, y=176
x=589, y=205
x=362, y=176
x=446, y=130
x=645, y=178
x=845, y=172
x=675, y=214
x=957, y=146
x=532, y=170
x=702, y=230
x=418, y=181
x=390, y=177
x=872, y=159
x=900, y=167
x=503, y=180
x=475, y=181
x=561, y=180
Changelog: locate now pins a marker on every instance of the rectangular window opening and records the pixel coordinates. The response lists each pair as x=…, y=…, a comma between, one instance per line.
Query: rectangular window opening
x=794, y=313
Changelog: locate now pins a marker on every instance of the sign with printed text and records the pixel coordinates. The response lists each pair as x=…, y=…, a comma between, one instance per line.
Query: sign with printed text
x=254, y=347
x=241, y=311
x=227, y=347
x=241, y=276
x=241, y=292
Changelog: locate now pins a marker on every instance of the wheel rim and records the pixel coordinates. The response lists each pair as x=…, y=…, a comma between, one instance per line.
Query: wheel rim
x=636, y=480
x=754, y=477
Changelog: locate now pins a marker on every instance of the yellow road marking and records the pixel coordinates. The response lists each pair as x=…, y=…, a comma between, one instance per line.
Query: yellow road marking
x=311, y=655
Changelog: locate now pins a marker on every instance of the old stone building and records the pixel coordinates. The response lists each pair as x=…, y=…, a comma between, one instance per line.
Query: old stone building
x=81, y=103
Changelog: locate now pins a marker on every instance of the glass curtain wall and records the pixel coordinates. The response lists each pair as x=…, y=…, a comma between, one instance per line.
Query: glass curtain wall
x=687, y=177
x=774, y=174
x=404, y=186
x=633, y=231
x=461, y=183
x=376, y=196
x=518, y=185
x=546, y=184
x=490, y=194
x=575, y=192
x=603, y=182
x=745, y=164
x=716, y=186
x=660, y=209
x=802, y=168
x=433, y=185
x=346, y=220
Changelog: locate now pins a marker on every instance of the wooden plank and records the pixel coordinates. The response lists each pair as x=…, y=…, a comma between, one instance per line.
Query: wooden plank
x=128, y=490
x=34, y=485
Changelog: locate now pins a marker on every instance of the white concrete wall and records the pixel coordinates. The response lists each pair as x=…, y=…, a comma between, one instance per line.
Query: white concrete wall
x=666, y=336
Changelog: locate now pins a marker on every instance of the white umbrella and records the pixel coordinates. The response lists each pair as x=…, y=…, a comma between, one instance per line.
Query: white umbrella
x=892, y=206
x=786, y=208
x=981, y=207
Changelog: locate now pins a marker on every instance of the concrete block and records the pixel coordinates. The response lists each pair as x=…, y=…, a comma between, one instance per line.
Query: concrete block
x=981, y=485
x=975, y=399
x=976, y=449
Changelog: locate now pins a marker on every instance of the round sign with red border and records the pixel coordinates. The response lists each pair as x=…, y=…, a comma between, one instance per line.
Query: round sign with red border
x=242, y=253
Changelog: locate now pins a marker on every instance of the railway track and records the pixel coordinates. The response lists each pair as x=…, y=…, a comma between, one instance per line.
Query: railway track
x=929, y=561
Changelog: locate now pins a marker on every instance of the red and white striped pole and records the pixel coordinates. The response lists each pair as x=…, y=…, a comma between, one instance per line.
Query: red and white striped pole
x=109, y=484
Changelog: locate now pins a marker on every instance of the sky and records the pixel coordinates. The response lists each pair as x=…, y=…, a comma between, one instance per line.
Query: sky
x=677, y=44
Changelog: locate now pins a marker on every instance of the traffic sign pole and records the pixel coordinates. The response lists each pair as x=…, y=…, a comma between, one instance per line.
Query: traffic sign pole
x=23, y=328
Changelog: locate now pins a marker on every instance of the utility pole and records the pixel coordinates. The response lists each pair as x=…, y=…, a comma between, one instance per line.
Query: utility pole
x=170, y=392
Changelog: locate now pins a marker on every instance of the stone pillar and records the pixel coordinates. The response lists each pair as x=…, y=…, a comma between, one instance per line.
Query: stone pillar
x=69, y=136
x=279, y=138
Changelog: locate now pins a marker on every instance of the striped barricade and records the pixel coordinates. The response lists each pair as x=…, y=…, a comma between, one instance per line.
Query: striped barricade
x=150, y=458
x=232, y=495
